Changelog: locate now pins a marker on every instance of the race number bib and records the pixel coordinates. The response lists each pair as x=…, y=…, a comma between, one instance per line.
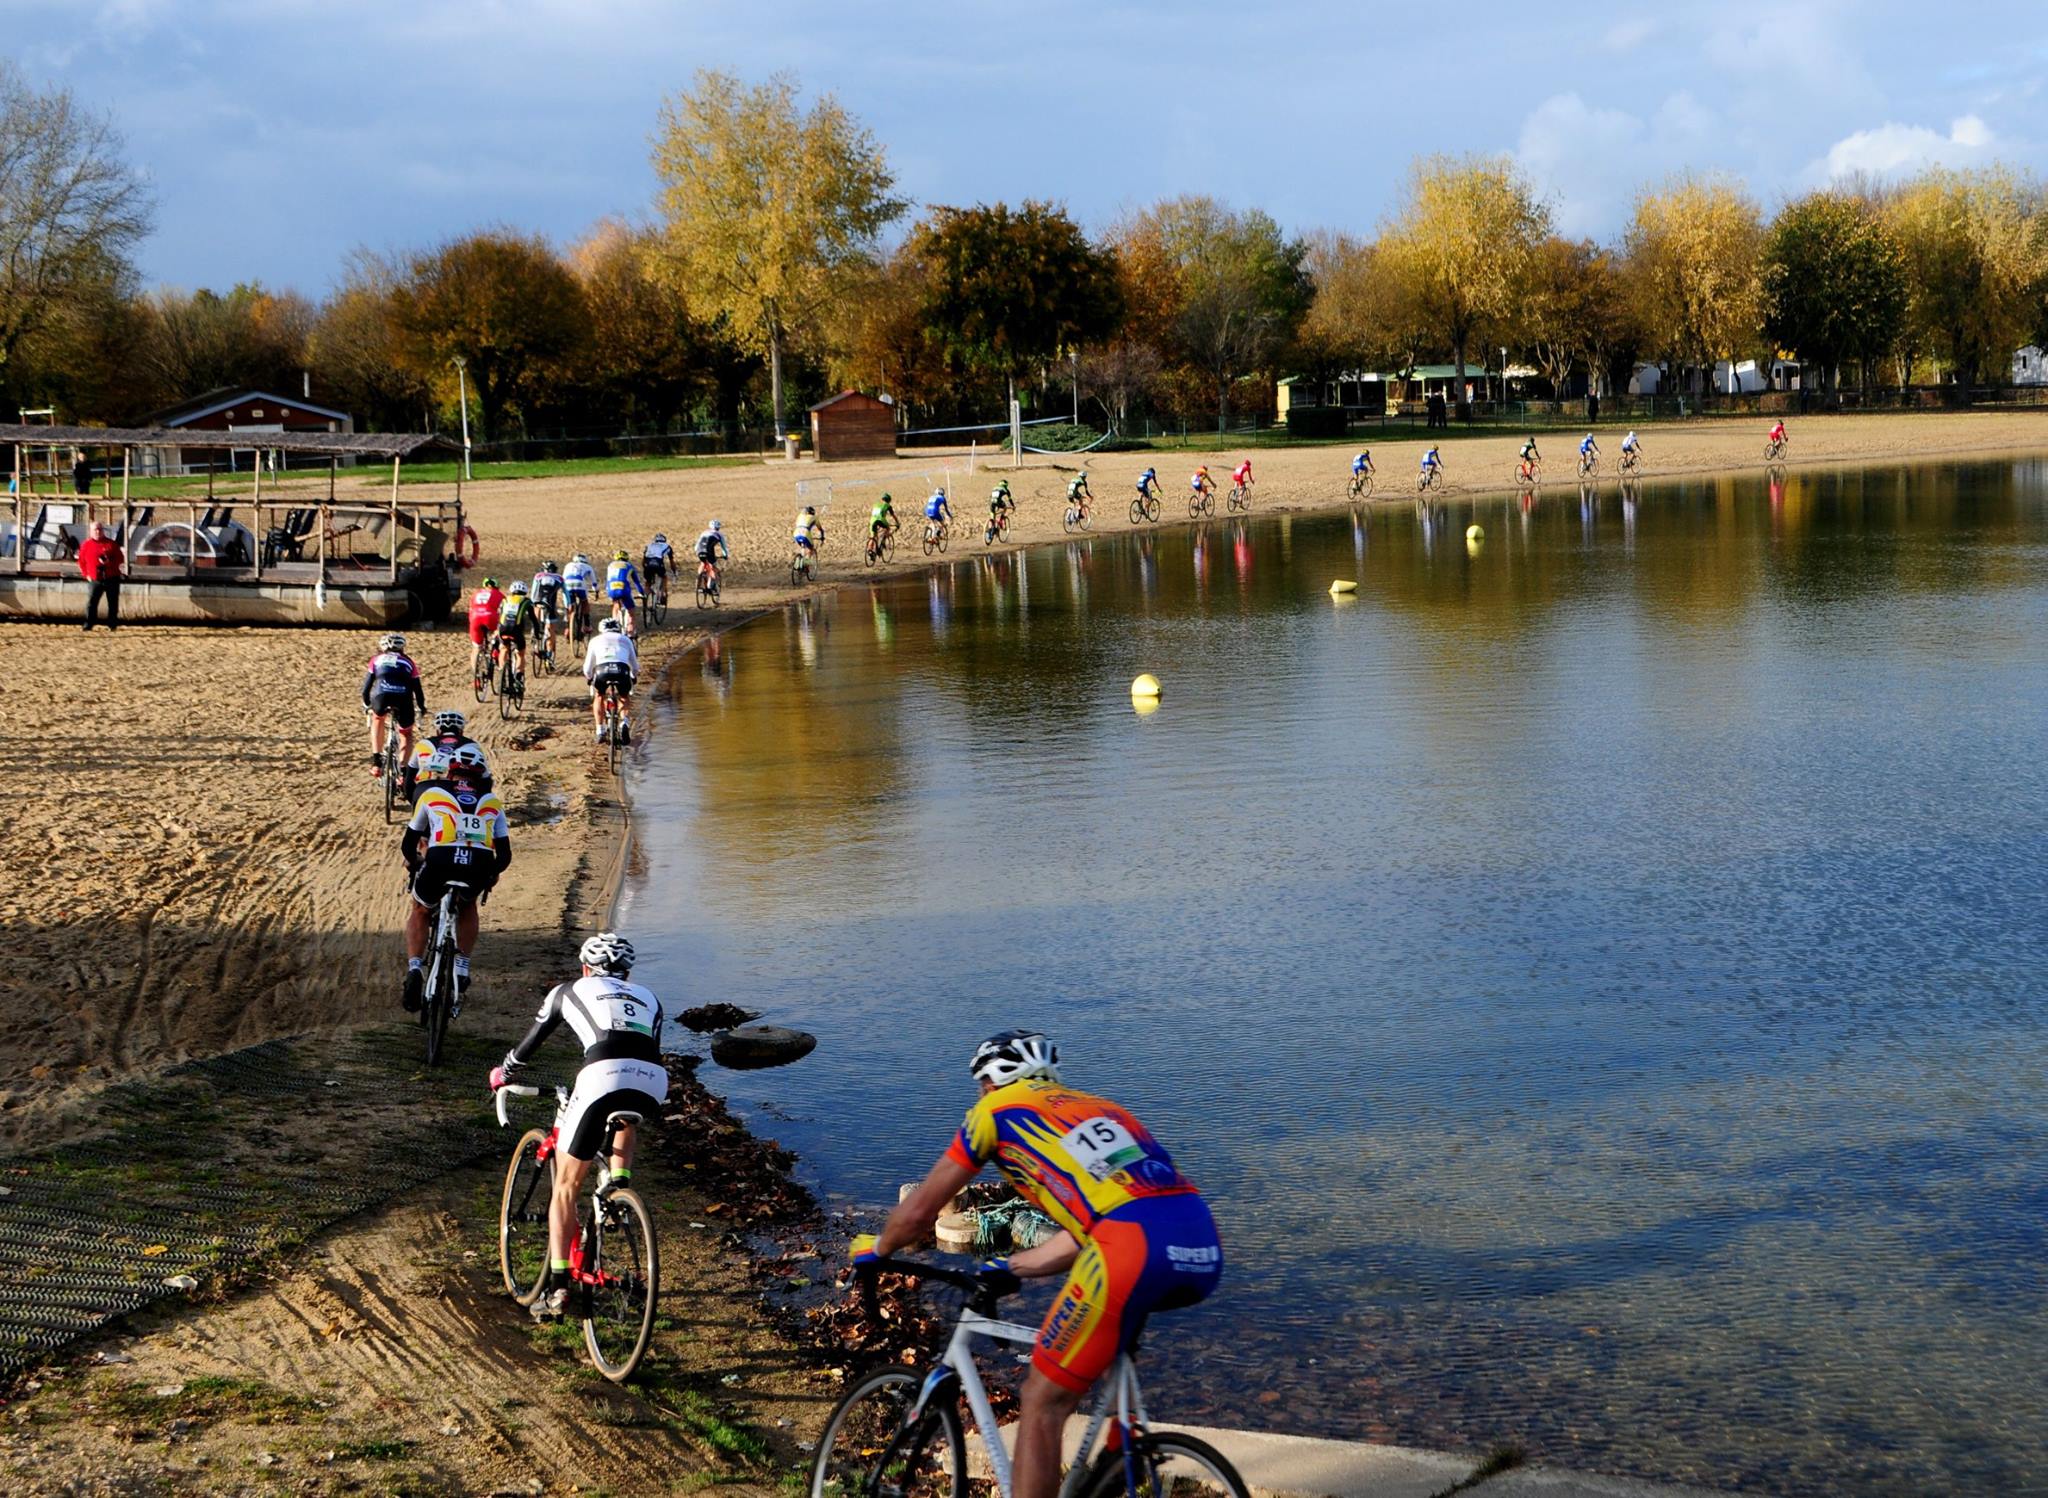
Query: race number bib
x=1102, y=1147
x=472, y=829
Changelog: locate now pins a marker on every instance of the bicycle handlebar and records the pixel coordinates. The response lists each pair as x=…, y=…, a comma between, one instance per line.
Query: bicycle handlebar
x=984, y=1287
x=511, y=1089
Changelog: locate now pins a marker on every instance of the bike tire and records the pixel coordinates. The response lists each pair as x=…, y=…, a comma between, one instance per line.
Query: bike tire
x=942, y=540
x=391, y=769
x=1165, y=1465
x=703, y=595
x=1137, y=512
x=931, y=541
x=434, y=1003
x=657, y=605
x=614, y=718
x=620, y=1319
x=523, y=1218
x=866, y=1449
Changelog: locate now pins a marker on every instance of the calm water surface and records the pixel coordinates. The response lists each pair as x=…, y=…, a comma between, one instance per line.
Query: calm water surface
x=1597, y=976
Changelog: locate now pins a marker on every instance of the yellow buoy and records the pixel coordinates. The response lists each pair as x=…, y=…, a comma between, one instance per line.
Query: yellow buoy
x=1144, y=707
x=1343, y=585
x=1474, y=533
x=1145, y=685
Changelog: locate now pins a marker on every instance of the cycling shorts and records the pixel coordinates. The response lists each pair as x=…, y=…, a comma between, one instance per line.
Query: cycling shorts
x=1154, y=1254
x=579, y=597
x=804, y=542
x=480, y=629
x=547, y=603
x=604, y=1088
x=612, y=673
x=394, y=701
x=440, y=867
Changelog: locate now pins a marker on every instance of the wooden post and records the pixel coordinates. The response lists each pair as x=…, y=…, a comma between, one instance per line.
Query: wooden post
x=326, y=523
x=191, y=541
x=391, y=531
x=256, y=501
x=20, y=530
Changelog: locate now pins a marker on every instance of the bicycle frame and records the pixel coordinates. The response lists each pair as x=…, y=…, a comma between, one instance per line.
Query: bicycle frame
x=1119, y=1401
x=578, y=1274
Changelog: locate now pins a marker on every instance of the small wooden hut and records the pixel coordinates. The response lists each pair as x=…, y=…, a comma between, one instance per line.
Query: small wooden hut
x=852, y=425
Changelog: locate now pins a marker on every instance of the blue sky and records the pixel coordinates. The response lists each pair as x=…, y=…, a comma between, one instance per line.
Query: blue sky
x=279, y=134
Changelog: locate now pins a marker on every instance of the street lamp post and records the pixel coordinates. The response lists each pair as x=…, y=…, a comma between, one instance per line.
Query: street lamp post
x=462, y=384
x=1503, y=380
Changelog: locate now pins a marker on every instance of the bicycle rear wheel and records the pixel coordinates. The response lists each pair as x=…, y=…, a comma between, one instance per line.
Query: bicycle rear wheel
x=391, y=768
x=657, y=602
x=523, y=1218
x=1164, y=1466
x=614, y=720
x=439, y=997
x=620, y=1322
x=868, y=1448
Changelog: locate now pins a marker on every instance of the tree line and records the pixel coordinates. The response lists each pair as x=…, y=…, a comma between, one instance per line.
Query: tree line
x=778, y=262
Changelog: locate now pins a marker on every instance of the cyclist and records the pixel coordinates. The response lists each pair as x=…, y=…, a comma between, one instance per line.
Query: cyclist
x=1361, y=466
x=430, y=759
x=1631, y=448
x=391, y=689
x=1531, y=459
x=458, y=832
x=621, y=583
x=515, y=623
x=659, y=558
x=1135, y=1234
x=810, y=531
x=547, y=601
x=1432, y=462
x=1148, y=484
x=1241, y=475
x=579, y=579
x=881, y=521
x=619, y=1026
x=710, y=547
x=1000, y=505
x=1200, y=481
x=484, y=605
x=1777, y=436
x=610, y=659
x=938, y=510
x=1588, y=448
x=1078, y=494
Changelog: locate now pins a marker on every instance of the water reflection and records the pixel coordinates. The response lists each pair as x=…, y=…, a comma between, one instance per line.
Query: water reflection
x=1596, y=974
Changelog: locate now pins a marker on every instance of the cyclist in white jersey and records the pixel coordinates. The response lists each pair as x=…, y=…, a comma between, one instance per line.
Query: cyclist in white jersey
x=580, y=579
x=610, y=659
x=618, y=1025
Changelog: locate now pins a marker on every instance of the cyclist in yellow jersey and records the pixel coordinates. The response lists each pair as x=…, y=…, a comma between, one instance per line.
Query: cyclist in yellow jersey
x=458, y=835
x=1135, y=1235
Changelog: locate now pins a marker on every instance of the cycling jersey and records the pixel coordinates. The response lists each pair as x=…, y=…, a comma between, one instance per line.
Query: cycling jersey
x=710, y=544
x=1587, y=445
x=1198, y=481
x=620, y=581
x=880, y=516
x=580, y=577
x=1358, y=463
x=393, y=673
x=1629, y=443
x=936, y=507
x=658, y=551
x=1242, y=474
x=430, y=758
x=484, y=604
x=619, y=1026
x=547, y=589
x=515, y=615
x=450, y=815
x=806, y=522
x=1077, y=487
x=609, y=648
x=1529, y=450
x=1076, y=1156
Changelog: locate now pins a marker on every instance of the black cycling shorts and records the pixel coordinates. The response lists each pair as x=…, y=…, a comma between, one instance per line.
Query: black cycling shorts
x=475, y=867
x=610, y=673
x=394, y=702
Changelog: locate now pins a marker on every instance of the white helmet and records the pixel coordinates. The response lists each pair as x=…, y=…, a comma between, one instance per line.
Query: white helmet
x=448, y=720
x=1013, y=1055
x=611, y=626
x=608, y=952
x=392, y=642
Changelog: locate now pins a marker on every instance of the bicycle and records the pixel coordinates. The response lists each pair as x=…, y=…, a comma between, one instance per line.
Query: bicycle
x=802, y=569
x=1589, y=465
x=997, y=529
x=544, y=646
x=657, y=593
x=391, y=766
x=616, y=730
x=934, y=536
x=882, y=545
x=1075, y=518
x=579, y=620
x=707, y=585
x=1529, y=473
x=615, y=1262
x=1774, y=449
x=1361, y=486
x=1201, y=502
x=1629, y=462
x=1430, y=478
x=481, y=685
x=1240, y=498
x=900, y=1427
x=1145, y=509
x=441, y=1000
x=511, y=683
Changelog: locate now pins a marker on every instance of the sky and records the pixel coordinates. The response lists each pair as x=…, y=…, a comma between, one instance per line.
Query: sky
x=278, y=135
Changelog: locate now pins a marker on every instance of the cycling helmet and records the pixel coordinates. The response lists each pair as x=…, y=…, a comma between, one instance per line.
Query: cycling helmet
x=1151, y=473
x=581, y=556
x=661, y=536
x=611, y=626
x=450, y=721
x=1013, y=1055
x=620, y=555
x=519, y=590
x=886, y=500
x=810, y=509
x=392, y=642
x=467, y=759
x=550, y=567
x=608, y=952
x=719, y=525
x=490, y=582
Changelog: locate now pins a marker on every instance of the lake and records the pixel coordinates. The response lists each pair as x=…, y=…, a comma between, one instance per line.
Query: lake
x=1596, y=973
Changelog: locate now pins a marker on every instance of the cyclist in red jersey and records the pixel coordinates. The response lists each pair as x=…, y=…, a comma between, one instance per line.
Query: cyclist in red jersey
x=1242, y=474
x=1135, y=1235
x=484, y=606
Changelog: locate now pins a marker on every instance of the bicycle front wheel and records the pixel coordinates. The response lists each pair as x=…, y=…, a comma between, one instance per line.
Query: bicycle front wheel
x=523, y=1218
x=1164, y=1466
x=871, y=1447
x=657, y=604
x=620, y=1322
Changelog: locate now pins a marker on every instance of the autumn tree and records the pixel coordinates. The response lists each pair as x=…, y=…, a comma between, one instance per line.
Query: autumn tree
x=875, y=332
x=71, y=212
x=1363, y=317
x=192, y=342
x=1973, y=263
x=1008, y=289
x=762, y=204
x=1240, y=287
x=1574, y=310
x=1693, y=249
x=497, y=300
x=642, y=363
x=1833, y=284
x=358, y=351
x=1462, y=242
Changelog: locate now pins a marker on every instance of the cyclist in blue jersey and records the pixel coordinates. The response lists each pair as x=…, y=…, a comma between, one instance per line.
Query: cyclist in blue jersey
x=623, y=586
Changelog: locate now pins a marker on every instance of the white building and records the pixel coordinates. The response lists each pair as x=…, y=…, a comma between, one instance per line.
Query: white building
x=2030, y=366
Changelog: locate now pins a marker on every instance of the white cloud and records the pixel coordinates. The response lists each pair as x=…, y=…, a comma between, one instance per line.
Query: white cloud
x=1626, y=36
x=1898, y=150
x=1591, y=160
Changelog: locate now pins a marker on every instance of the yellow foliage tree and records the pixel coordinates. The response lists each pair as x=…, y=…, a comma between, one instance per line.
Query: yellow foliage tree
x=763, y=204
x=1462, y=245
x=1693, y=250
x=1974, y=261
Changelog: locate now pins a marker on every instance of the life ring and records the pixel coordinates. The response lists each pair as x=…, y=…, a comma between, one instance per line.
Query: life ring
x=476, y=547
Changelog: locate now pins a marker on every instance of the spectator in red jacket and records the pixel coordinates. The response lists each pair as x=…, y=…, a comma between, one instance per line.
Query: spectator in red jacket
x=100, y=561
